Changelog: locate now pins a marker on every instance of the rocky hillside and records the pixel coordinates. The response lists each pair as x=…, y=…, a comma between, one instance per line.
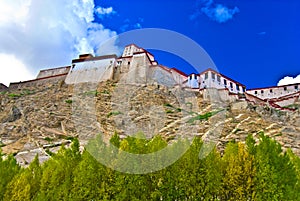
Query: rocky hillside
x=41, y=119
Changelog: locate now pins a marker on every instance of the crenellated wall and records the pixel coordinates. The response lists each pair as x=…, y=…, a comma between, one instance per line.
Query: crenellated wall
x=38, y=82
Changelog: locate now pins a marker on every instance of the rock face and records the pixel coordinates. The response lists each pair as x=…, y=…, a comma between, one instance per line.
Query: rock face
x=3, y=88
x=40, y=119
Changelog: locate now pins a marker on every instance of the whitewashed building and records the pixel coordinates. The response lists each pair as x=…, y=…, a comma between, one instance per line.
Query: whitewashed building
x=88, y=68
x=213, y=79
x=275, y=91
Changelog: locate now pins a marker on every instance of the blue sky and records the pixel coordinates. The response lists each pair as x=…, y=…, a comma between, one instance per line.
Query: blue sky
x=255, y=42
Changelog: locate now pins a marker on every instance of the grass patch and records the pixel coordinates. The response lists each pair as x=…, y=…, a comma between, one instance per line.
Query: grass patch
x=50, y=153
x=169, y=111
x=202, y=117
x=292, y=106
x=69, y=101
x=114, y=113
x=27, y=92
x=48, y=139
x=168, y=105
x=12, y=95
x=105, y=92
x=69, y=138
x=92, y=93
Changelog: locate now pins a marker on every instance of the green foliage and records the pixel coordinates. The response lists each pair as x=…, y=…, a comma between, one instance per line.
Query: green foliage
x=250, y=171
x=69, y=101
x=13, y=95
x=205, y=116
x=92, y=93
x=8, y=170
x=105, y=92
x=48, y=139
x=113, y=113
x=168, y=105
x=169, y=111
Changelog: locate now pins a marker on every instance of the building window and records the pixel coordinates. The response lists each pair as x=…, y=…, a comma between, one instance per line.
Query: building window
x=296, y=87
x=213, y=76
x=262, y=91
x=255, y=92
x=218, y=78
x=190, y=77
x=231, y=85
x=244, y=89
x=237, y=87
x=285, y=88
x=225, y=82
x=206, y=75
x=271, y=90
x=128, y=63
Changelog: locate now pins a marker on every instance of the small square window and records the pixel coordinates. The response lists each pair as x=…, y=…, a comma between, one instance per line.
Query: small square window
x=296, y=87
x=285, y=88
x=213, y=76
x=237, y=87
x=262, y=91
x=255, y=92
x=231, y=85
x=218, y=78
x=225, y=82
x=271, y=90
x=206, y=75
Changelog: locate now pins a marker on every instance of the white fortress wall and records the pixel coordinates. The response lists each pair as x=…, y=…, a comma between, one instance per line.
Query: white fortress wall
x=161, y=76
x=274, y=92
x=137, y=70
x=179, y=78
x=91, y=71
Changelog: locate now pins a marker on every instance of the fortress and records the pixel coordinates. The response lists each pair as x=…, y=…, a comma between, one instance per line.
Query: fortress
x=138, y=66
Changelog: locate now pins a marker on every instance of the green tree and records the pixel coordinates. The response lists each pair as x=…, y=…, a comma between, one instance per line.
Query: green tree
x=238, y=173
x=57, y=174
x=8, y=170
x=276, y=177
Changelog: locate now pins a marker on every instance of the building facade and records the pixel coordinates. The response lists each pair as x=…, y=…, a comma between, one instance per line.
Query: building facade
x=138, y=66
x=275, y=91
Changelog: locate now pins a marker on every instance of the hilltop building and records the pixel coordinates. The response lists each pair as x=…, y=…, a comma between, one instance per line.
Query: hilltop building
x=138, y=66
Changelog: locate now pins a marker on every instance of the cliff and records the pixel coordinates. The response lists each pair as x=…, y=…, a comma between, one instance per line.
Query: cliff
x=39, y=119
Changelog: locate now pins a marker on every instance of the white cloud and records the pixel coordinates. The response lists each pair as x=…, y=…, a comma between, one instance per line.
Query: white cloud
x=217, y=12
x=13, y=70
x=128, y=25
x=289, y=80
x=49, y=33
x=105, y=11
